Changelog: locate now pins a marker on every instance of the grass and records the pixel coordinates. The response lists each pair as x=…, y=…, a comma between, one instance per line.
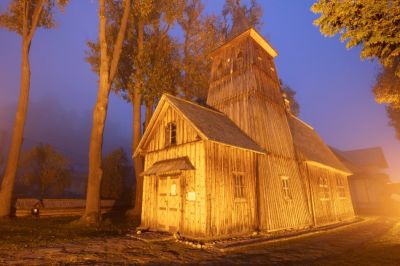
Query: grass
x=33, y=232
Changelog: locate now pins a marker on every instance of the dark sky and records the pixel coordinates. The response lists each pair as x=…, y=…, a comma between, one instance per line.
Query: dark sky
x=333, y=85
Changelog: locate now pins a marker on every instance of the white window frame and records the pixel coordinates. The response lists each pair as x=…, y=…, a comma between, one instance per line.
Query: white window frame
x=324, y=189
x=239, y=188
x=285, y=188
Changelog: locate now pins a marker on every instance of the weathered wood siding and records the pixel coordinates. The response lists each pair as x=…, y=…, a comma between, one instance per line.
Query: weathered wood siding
x=226, y=214
x=333, y=208
x=193, y=213
x=276, y=211
x=245, y=86
x=185, y=132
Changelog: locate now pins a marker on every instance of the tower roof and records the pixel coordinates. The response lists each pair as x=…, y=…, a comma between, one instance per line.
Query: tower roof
x=257, y=37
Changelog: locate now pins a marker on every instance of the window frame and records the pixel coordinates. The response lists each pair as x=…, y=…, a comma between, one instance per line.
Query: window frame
x=239, y=186
x=285, y=188
x=170, y=134
x=340, y=188
x=325, y=193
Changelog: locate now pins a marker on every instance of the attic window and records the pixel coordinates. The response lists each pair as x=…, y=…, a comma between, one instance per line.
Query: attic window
x=285, y=187
x=324, y=189
x=239, y=186
x=340, y=188
x=170, y=134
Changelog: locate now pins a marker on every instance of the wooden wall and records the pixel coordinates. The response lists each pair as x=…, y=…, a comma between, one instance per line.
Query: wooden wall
x=276, y=211
x=226, y=214
x=193, y=218
x=334, y=208
x=247, y=90
x=185, y=133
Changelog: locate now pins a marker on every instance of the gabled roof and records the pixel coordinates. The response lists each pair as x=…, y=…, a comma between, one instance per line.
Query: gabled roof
x=368, y=157
x=257, y=37
x=210, y=124
x=311, y=148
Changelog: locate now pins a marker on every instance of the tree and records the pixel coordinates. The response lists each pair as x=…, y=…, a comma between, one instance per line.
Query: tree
x=375, y=26
x=115, y=169
x=387, y=91
x=394, y=119
x=109, y=59
x=387, y=86
x=290, y=94
x=45, y=170
x=372, y=24
x=147, y=11
x=147, y=52
x=23, y=17
x=202, y=34
x=238, y=17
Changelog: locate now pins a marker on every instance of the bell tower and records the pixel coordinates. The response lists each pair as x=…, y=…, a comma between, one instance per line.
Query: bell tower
x=245, y=86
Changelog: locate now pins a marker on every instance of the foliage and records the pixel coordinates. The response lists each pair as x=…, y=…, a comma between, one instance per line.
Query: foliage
x=394, y=119
x=45, y=169
x=387, y=87
x=238, y=17
x=387, y=91
x=372, y=24
x=161, y=51
x=13, y=18
x=290, y=94
x=202, y=34
x=115, y=169
x=375, y=26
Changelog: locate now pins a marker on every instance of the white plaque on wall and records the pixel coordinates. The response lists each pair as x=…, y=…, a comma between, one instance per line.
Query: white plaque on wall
x=191, y=196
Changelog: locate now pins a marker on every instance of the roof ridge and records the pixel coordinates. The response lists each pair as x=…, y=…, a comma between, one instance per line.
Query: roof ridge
x=195, y=104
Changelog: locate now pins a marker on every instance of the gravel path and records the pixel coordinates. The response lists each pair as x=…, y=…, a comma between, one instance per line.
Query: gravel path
x=340, y=246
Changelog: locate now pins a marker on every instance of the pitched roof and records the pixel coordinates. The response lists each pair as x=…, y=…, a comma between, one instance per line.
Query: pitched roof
x=364, y=157
x=215, y=125
x=310, y=147
x=212, y=125
x=257, y=37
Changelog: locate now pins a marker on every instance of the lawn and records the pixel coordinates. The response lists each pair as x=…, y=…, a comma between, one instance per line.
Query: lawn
x=38, y=232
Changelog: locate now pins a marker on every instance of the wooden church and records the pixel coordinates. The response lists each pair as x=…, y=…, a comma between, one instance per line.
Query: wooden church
x=242, y=164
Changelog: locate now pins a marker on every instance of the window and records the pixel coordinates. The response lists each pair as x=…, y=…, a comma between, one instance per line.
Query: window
x=173, y=189
x=324, y=188
x=340, y=188
x=239, y=185
x=285, y=187
x=170, y=134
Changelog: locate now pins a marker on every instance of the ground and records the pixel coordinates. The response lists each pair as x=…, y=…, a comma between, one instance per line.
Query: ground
x=57, y=241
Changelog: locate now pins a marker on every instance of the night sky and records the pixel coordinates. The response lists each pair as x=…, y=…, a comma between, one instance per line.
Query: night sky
x=333, y=85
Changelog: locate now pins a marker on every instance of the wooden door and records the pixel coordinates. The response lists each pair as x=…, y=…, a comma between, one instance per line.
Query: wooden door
x=169, y=203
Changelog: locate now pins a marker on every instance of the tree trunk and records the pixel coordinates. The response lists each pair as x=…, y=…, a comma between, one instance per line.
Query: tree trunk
x=137, y=99
x=7, y=185
x=149, y=113
x=107, y=73
x=92, y=213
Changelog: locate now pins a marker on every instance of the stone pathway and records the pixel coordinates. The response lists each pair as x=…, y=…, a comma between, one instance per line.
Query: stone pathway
x=313, y=249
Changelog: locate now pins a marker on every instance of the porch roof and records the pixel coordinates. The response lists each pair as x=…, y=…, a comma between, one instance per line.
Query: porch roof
x=170, y=165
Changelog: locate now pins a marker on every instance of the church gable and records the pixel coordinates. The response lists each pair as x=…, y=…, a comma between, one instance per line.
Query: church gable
x=168, y=128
